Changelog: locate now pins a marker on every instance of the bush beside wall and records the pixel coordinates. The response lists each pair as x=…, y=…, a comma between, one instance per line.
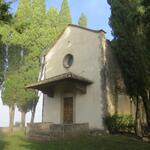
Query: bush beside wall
x=117, y=124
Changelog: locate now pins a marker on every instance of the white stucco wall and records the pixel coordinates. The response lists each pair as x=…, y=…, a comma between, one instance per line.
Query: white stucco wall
x=84, y=45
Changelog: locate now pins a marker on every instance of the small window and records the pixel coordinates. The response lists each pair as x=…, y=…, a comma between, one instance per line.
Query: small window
x=68, y=61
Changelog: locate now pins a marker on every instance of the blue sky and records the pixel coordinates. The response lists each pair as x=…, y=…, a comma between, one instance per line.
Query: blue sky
x=97, y=12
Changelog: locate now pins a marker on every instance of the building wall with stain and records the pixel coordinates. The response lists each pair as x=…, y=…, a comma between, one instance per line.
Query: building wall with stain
x=94, y=60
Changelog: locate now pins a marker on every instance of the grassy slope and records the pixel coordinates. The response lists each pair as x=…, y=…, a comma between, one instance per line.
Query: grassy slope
x=19, y=142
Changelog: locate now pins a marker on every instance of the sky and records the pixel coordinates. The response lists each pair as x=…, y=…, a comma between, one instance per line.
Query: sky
x=97, y=12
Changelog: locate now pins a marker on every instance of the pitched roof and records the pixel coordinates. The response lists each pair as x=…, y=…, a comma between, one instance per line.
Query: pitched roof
x=76, y=26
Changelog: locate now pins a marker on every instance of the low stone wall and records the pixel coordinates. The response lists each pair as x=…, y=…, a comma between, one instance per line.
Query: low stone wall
x=67, y=130
x=47, y=131
x=7, y=130
x=38, y=128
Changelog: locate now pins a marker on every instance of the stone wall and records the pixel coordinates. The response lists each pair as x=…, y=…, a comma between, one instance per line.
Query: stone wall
x=4, y=130
x=48, y=131
x=68, y=130
x=38, y=128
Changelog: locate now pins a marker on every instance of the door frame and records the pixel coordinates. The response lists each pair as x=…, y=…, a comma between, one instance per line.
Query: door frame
x=67, y=95
x=68, y=110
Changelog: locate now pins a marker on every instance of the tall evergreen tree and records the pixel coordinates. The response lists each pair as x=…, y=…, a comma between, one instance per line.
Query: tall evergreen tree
x=29, y=73
x=128, y=45
x=5, y=15
x=5, y=18
x=52, y=25
x=1, y=64
x=82, y=20
x=25, y=99
x=35, y=39
x=146, y=20
x=34, y=31
x=9, y=96
x=53, y=17
x=23, y=24
x=65, y=16
x=23, y=15
x=38, y=11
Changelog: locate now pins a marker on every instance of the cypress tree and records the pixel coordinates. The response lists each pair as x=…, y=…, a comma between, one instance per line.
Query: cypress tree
x=82, y=20
x=129, y=48
x=53, y=17
x=52, y=23
x=2, y=55
x=35, y=40
x=23, y=15
x=38, y=11
x=65, y=16
x=146, y=20
x=9, y=95
x=5, y=15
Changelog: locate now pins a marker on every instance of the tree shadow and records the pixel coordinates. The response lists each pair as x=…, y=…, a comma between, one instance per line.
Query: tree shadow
x=44, y=145
x=3, y=143
x=87, y=143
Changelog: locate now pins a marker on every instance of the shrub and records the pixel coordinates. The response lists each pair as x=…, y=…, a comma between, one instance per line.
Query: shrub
x=17, y=124
x=117, y=123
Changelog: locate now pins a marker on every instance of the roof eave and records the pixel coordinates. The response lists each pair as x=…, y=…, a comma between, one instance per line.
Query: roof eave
x=56, y=79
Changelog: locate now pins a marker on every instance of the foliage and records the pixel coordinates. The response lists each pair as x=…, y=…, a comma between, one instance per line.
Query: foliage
x=38, y=11
x=5, y=15
x=23, y=16
x=82, y=20
x=130, y=48
x=65, y=16
x=29, y=74
x=5, y=18
x=17, y=124
x=52, y=22
x=10, y=89
x=14, y=58
x=146, y=20
x=31, y=31
x=117, y=123
x=2, y=55
x=126, y=44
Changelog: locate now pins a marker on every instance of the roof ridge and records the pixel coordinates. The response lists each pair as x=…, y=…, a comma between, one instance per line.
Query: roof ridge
x=84, y=28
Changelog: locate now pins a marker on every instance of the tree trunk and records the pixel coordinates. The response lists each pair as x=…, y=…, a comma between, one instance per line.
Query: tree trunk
x=138, y=117
x=33, y=113
x=6, y=60
x=11, y=116
x=22, y=55
x=146, y=102
x=23, y=119
x=147, y=110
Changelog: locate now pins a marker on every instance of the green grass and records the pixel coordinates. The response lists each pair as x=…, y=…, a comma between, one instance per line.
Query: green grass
x=19, y=142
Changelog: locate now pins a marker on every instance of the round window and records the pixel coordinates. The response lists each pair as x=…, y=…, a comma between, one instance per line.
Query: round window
x=68, y=61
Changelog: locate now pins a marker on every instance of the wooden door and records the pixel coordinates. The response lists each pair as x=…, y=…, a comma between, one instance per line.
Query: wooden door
x=68, y=110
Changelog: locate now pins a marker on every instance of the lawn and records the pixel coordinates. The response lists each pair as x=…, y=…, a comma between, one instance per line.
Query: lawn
x=19, y=142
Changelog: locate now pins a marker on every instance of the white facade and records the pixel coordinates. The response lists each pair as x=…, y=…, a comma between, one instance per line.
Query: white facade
x=88, y=50
x=85, y=47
